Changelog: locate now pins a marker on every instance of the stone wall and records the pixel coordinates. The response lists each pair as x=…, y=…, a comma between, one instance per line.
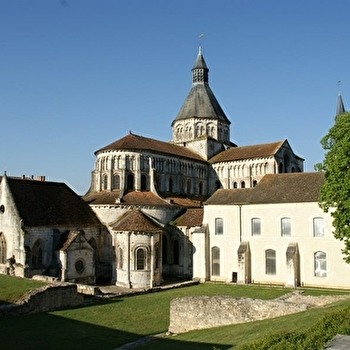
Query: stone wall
x=192, y=313
x=47, y=298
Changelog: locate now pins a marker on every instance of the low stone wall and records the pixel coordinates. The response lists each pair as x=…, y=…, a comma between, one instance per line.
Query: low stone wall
x=192, y=313
x=47, y=298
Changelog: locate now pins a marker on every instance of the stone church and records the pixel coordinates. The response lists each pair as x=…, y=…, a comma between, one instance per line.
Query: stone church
x=150, y=194
x=196, y=207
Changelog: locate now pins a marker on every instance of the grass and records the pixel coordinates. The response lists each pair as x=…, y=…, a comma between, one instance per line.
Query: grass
x=111, y=324
x=12, y=288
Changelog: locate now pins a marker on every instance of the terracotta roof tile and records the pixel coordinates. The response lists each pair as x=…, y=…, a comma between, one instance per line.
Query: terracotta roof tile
x=43, y=203
x=247, y=152
x=133, y=142
x=274, y=188
x=135, y=220
x=130, y=198
x=192, y=217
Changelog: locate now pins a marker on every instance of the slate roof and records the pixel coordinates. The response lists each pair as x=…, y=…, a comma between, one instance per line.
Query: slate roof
x=201, y=103
x=43, y=203
x=135, y=220
x=132, y=142
x=192, y=217
x=248, y=152
x=130, y=198
x=273, y=188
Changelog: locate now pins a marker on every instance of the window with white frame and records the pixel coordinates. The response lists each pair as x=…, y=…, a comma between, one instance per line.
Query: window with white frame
x=318, y=227
x=320, y=263
x=286, y=225
x=270, y=262
x=219, y=226
x=256, y=226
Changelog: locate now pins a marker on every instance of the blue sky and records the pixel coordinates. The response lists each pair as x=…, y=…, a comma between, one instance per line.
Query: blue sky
x=76, y=75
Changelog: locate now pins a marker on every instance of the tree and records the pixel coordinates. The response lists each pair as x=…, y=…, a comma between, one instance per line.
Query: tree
x=335, y=193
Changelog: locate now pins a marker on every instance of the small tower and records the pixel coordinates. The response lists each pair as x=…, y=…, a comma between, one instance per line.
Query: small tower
x=340, y=105
x=201, y=124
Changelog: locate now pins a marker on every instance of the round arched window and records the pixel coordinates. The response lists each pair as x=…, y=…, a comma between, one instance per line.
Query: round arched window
x=2, y=208
x=79, y=266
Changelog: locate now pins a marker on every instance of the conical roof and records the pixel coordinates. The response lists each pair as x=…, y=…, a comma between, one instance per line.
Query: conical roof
x=201, y=101
x=340, y=105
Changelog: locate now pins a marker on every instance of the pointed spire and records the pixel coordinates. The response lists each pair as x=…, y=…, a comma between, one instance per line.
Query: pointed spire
x=200, y=69
x=340, y=105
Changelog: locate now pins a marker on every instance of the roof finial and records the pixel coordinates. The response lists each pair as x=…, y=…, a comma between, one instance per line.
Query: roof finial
x=340, y=104
x=200, y=42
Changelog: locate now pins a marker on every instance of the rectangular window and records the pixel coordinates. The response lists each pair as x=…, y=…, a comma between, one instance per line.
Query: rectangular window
x=318, y=227
x=256, y=227
x=219, y=226
x=286, y=227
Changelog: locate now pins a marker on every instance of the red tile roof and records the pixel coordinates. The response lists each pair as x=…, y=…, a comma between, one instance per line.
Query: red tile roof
x=136, y=221
x=130, y=198
x=133, y=142
x=191, y=218
x=247, y=152
x=43, y=203
x=274, y=188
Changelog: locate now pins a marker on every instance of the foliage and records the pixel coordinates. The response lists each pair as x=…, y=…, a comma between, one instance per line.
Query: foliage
x=315, y=337
x=319, y=167
x=335, y=193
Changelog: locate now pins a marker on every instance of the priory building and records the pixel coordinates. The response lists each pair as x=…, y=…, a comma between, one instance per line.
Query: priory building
x=196, y=207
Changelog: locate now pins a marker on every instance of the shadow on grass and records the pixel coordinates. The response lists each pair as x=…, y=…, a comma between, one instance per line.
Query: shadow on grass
x=54, y=332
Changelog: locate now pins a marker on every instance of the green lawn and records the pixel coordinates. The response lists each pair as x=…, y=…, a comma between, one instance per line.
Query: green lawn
x=111, y=324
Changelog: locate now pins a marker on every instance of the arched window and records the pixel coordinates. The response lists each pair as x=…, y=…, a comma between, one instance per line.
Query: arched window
x=219, y=226
x=286, y=229
x=116, y=182
x=140, y=259
x=242, y=184
x=188, y=188
x=170, y=185
x=215, y=261
x=176, y=252
x=318, y=227
x=3, y=249
x=270, y=262
x=200, y=188
x=320, y=263
x=120, y=258
x=104, y=181
x=143, y=182
x=256, y=226
x=235, y=184
x=130, y=182
x=37, y=253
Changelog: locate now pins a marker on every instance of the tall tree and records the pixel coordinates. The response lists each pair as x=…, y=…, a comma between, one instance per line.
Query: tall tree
x=335, y=193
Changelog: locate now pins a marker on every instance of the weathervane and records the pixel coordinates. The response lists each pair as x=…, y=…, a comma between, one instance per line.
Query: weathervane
x=200, y=41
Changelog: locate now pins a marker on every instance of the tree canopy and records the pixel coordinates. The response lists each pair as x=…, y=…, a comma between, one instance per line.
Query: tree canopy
x=335, y=193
